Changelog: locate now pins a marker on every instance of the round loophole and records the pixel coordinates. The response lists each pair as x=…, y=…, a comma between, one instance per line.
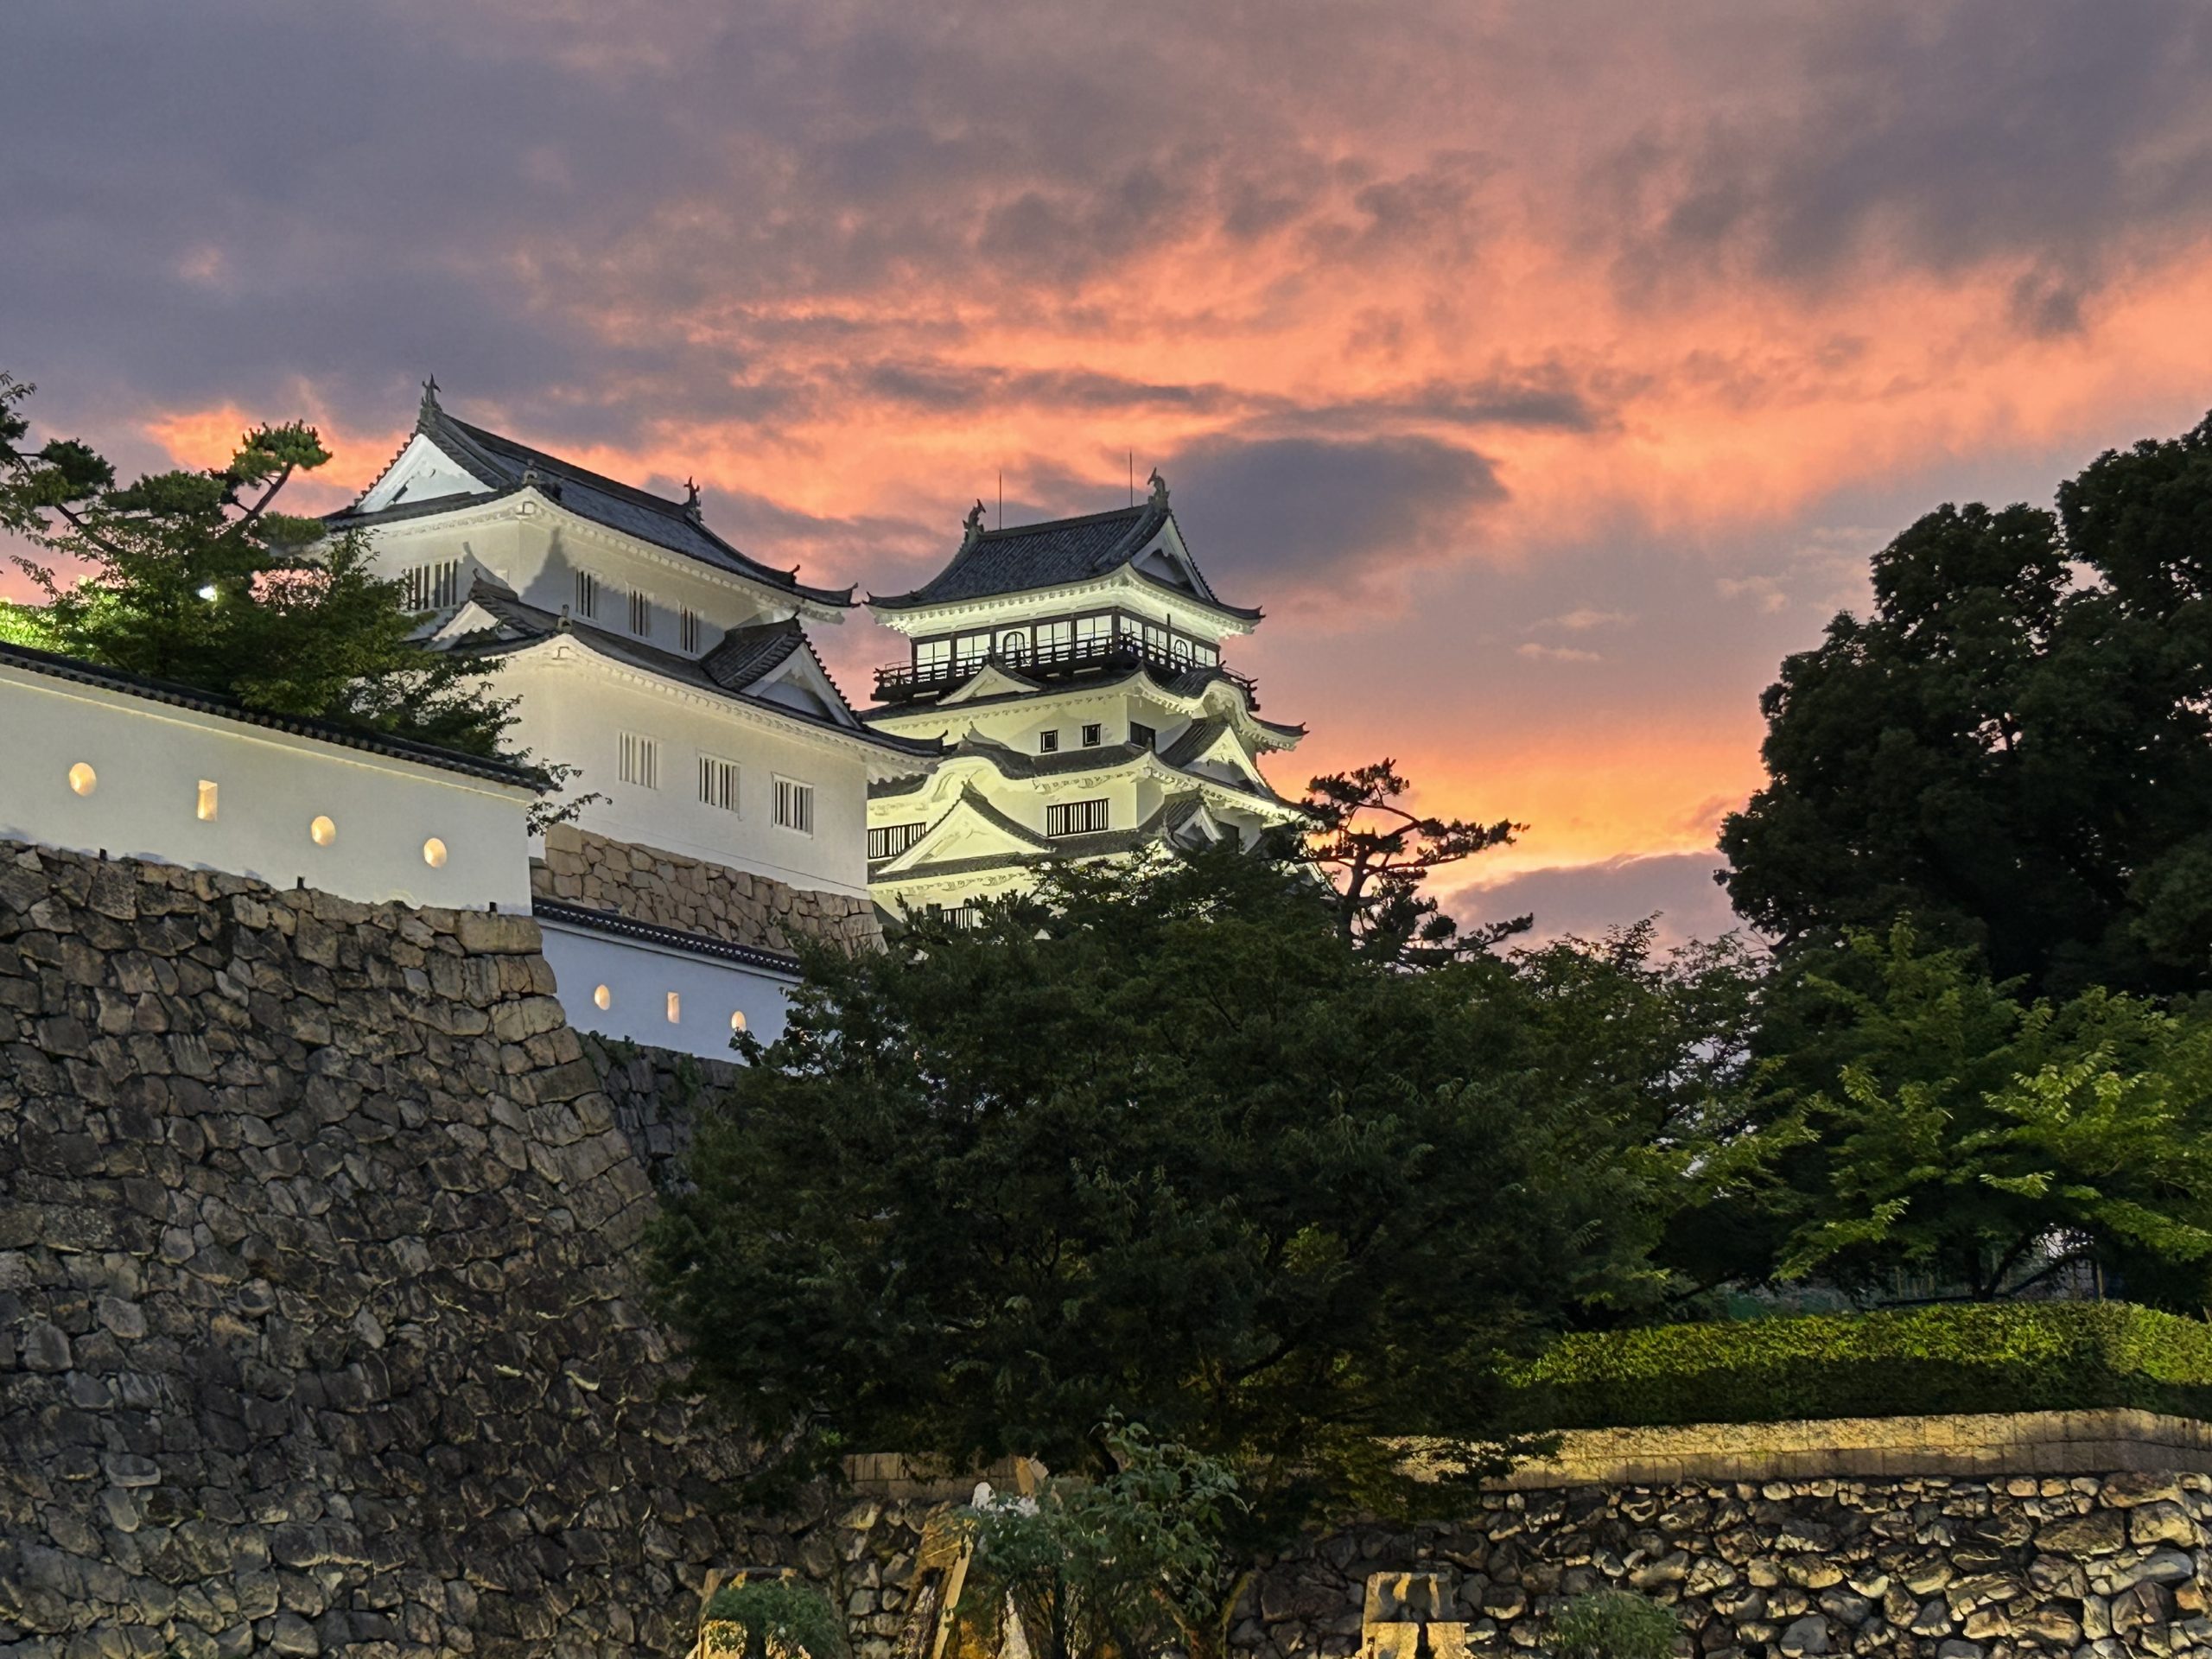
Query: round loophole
x=83, y=778
x=322, y=831
x=434, y=853
x=603, y=998
x=737, y=1019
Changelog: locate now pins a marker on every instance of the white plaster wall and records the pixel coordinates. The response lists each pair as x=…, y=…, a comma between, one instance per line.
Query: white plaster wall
x=638, y=977
x=573, y=709
x=149, y=759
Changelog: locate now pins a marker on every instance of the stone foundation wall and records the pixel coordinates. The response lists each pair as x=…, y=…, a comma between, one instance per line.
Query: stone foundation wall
x=2098, y=1567
x=650, y=885
x=655, y=1094
x=321, y=1327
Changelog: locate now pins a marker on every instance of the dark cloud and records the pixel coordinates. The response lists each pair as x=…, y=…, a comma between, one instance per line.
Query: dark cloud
x=1268, y=515
x=1585, y=900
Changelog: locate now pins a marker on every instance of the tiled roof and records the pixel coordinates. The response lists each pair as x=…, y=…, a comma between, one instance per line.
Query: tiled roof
x=1052, y=555
x=755, y=651
x=503, y=465
x=56, y=666
x=700, y=945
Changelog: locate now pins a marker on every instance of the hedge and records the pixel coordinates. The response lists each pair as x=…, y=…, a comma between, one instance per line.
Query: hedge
x=1975, y=1357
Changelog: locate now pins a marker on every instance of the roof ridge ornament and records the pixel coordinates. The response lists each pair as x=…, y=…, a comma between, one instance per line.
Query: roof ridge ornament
x=429, y=408
x=1158, y=488
x=691, y=508
x=974, y=525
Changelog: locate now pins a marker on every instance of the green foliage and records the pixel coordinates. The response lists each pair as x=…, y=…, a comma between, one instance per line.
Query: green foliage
x=1920, y=1118
x=2014, y=746
x=779, y=1619
x=1158, y=1140
x=1125, y=1564
x=1614, y=1625
x=1956, y=1357
x=191, y=576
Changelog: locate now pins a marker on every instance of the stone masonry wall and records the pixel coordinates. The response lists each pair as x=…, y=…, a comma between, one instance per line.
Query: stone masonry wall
x=320, y=1322
x=650, y=885
x=655, y=1094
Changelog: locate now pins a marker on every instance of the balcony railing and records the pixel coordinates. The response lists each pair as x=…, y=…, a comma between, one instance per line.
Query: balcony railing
x=903, y=682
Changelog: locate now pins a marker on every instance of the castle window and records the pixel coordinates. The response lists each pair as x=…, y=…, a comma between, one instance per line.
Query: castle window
x=83, y=778
x=894, y=839
x=587, y=594
x=322, y=831
x=931, y=658
x=1093, y=736
x=433, y=586
x=640, y=760
x=1075, y=818
x=1048, y=742
x=1092, y=633
x=1142, y=735
x=1053, y=639
x=687, y=628
x=204, y=809
x=1014, y=645
x=795, y=805
x=1205, y=656
x=718, y=783
x=641, y=615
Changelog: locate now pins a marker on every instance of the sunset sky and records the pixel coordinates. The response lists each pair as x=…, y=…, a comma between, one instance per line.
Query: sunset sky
x=1548, y=371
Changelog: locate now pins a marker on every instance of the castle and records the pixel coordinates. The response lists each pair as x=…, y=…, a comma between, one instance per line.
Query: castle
x=1065, y=698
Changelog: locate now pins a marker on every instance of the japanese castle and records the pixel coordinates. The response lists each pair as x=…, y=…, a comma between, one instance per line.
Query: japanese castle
x=1072, y=671
x=724, y=777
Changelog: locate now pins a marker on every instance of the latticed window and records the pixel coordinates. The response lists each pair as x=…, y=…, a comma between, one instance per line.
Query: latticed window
x=795, y=805
x=641, y=615
x=687, y=628
x=718, y=783
x=433, y=586
x=1075, y=818
x=587, y=594
x=893, y=839
x=640, y=760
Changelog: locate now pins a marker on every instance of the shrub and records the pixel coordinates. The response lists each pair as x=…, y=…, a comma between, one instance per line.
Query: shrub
x=1614, y=1625
x=1971, y=1358
x=777, y=1618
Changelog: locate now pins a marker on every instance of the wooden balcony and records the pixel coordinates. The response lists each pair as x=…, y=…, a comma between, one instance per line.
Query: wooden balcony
x=905, y=682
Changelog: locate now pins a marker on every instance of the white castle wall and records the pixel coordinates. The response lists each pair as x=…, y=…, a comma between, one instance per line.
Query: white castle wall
x=638, y=977
x=141, y=797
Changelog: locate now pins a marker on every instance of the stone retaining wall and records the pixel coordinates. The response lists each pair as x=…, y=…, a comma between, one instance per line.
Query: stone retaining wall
x=655, y=1093
x=320, y=1330
x=648, y=884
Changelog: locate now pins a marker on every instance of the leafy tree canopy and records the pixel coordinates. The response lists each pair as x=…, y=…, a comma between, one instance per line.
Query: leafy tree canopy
x=1160, y=1140
x=194, y=577
x=2014, y=746
x=1921, y=1119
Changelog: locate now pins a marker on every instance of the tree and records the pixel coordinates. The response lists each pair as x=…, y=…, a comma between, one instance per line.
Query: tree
x=194, y=576
x=2014, y=746
x=1380, y=854
x=1158, y=1141
x=1925, y=1120
x=1122, y=1566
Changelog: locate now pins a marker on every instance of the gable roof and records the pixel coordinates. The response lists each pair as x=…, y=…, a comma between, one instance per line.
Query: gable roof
x=1056, y=553
x=504, y=466
x=741, y=662
x=56, y=666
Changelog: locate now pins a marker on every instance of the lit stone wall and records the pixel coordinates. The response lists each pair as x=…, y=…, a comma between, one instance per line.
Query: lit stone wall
x=649, y=884
x=87, y=767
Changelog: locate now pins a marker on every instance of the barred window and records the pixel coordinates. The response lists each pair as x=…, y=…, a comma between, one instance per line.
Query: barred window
x=718, y=782
x=641, y=615
x=1092, y=736
x=1142, y=735
x=433, y=586
x=1048, y=742
x=891, y=841
x=795, y=805
x=640, y=760
x=587, y=594
x=687, y=628
x=1075, y=818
